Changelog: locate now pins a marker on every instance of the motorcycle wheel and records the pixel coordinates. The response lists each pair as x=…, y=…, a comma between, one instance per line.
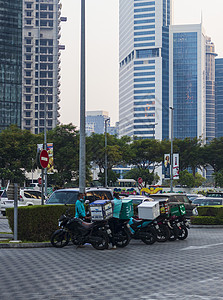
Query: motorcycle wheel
x=149, y=239
x=60, y=239
x=163, y=234
x=122, y=238
x=183, y=233
x=102, y=242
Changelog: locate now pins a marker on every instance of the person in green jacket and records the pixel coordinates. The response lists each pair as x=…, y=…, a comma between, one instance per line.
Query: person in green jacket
x=79, y=207
x=117, y=205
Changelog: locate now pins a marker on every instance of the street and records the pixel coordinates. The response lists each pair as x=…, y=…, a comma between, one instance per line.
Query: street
x=190, y=269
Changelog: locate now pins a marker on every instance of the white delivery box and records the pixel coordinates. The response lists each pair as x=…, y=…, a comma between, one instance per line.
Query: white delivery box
x=101, y=210
x=149, y=210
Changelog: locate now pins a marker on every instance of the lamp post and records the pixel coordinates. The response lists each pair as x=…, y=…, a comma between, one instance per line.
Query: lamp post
x=82, y=151
x=106, y=154
x=171, y=152
x=45, y=145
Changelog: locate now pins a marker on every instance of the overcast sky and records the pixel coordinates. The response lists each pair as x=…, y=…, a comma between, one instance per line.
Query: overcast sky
x=102, y=62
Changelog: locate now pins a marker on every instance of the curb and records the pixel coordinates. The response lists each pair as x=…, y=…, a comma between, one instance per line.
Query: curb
x=25, y=245
x=206, y=226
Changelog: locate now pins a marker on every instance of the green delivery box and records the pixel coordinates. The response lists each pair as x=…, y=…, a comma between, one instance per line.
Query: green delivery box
x=182, y=209
x=127, y=209
x=174, y=210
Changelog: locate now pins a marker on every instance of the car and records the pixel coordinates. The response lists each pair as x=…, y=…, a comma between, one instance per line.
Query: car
x=3, y=199
x=138, y=199
x=30, y=197
x=176, y=198
x=70, y=195
x=215, y=194
x=192, y=197
x=204, y=201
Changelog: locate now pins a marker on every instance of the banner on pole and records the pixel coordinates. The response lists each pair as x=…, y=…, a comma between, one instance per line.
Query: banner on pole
x=167, y=166
x=176, y=166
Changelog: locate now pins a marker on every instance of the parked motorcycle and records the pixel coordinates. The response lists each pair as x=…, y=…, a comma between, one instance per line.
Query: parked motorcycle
x=179, y=228
x=122, y=233
x=141, y=229
x=81, y=232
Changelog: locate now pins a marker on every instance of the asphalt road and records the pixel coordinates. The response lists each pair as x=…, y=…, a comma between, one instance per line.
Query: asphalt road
x=190, y=269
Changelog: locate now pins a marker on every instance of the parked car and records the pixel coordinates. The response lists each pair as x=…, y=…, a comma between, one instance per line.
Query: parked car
x=30, y=197
x=215, y=194
x=70, y=196
x=192, y=197
x=203, y=201
x=175, y=198
x=3, y=198
x=138, y=199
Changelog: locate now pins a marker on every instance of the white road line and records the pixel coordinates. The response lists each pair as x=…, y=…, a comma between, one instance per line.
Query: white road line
x=201, y=247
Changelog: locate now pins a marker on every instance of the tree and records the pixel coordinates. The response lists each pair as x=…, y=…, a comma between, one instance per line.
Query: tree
x=17, y=151
x=186, y=179
x=145, y=174
x=212, y=154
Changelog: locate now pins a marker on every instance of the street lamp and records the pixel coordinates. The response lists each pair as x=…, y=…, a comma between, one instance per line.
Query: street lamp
x=106, y=154
x=171, y=153
x=82, y=151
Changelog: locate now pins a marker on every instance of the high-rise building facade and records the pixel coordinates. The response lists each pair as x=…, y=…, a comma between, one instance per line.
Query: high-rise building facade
x=219, y=96
x=210, y=89
x=10, y=63
x=144, y=68
x=188, y=80
x=95, y=122
x=41, y=64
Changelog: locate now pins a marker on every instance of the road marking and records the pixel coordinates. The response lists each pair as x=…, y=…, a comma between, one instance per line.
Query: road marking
x=201, y=247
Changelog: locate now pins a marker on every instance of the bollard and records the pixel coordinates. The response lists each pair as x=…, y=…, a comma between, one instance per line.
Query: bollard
x=15, y=212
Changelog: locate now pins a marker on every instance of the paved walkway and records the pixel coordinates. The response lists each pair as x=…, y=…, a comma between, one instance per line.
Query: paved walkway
x=185, y=270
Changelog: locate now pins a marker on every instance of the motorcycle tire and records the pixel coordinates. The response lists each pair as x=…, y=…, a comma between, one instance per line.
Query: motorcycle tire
x=102, y=242
x=149, y=239
x=183, y=234
x=163, y=234
x=122, y=238
x=60, y=239
x=173, y=236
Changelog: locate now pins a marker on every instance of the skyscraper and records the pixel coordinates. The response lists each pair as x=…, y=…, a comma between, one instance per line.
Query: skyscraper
x=210, y=89
x=144, y=68
x=95, y=121
x=219, y=96
x=10, y=63
x=188, y=80
x=41, y=64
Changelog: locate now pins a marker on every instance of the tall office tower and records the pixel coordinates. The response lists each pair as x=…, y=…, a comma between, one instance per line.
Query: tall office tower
x=10, y=63
x=210, y=89
x=41, y=64
x=219, y=97
x=144, y=68
x=188, y=80
x=95, y=122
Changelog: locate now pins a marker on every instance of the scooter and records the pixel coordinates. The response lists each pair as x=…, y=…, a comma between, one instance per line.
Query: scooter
x=141, y=229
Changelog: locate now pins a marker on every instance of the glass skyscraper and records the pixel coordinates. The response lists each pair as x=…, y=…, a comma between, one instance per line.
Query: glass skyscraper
x=10, y=62
x=188, y=80
x=219, y=96
x=144, y=68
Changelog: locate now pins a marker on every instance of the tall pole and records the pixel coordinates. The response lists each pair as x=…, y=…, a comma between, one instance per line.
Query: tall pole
x=106, y=155
x=45, y=146
x=171, y=154
x=82, y=156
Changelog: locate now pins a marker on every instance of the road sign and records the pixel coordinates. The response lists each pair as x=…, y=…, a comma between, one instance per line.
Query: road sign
x=140, y=181
x=44, y=159
x=40, y=180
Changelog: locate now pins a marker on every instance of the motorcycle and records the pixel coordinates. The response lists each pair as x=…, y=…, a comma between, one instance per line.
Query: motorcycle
x=140, y=229
x=122, y=233
x=80, y=232
x=179, y=228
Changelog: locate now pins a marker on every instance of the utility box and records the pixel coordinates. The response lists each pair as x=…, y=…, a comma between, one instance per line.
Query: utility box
x=149, y=210
x=101, y=210
x=127, y=209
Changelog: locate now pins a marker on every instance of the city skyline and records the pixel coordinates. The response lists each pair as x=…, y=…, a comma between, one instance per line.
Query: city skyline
x=102, y=51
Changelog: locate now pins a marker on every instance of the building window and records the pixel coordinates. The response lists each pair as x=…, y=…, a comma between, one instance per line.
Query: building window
x=36, y=115
x=28, y=49
x=36, y=130
x=50, y=122
x=28, y=114
x=28, y=122
x=28, y=22
x=28, y=57
x=28, y=106
x=36, y=123
x=28, y=65
x=28, y=98
x=28, y=81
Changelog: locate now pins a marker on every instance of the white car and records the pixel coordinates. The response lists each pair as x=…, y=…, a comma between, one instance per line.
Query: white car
x=27, y=198
x=3, y=200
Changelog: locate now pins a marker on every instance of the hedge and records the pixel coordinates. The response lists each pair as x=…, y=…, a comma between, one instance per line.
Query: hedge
x=37, y=223
x=208, y=215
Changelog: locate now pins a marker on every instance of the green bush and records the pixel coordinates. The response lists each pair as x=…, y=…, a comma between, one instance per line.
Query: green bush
x=37, y=223
x=206, y=220
x=212, y=211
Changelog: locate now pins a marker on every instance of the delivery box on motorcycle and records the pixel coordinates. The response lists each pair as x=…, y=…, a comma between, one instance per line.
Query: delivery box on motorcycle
x=101, y=210
x=126, y=210
x=177, y=210
x=149, y=210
